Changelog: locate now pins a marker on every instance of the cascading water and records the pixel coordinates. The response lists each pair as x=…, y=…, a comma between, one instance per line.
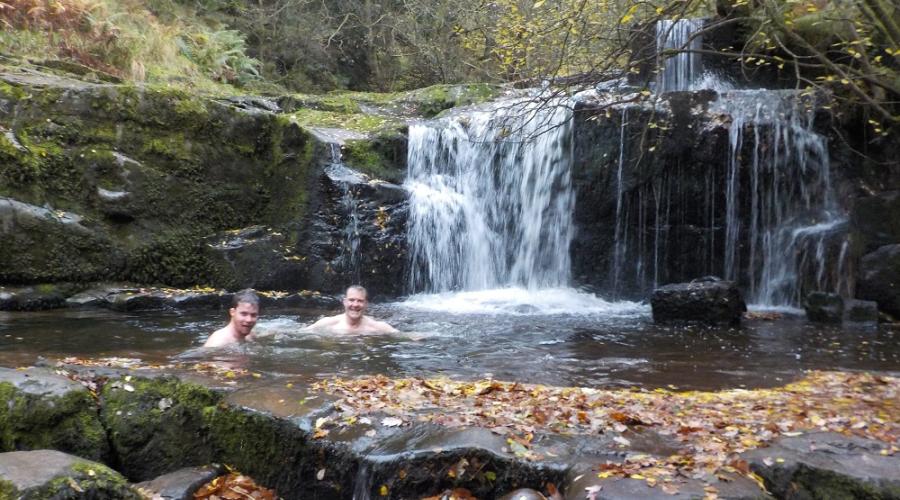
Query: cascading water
x=345, y=178
x=678, y=71
x=491, y=198
x=791, y=210
x=768, y=218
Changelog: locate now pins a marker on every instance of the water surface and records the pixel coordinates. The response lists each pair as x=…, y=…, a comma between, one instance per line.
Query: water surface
x=557, y=337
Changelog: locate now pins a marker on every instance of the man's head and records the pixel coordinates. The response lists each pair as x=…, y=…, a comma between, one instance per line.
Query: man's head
x=244, y=311
x=355, y=303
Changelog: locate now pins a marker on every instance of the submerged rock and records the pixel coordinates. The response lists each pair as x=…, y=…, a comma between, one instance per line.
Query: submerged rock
x=53, y=474
x=822, y=307
x=827, y=465
x=860, y=311
x=36, y=298
x=707, y=300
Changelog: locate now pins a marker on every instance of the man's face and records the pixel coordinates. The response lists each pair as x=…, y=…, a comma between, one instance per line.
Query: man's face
x=244, y=317
x=355, y=304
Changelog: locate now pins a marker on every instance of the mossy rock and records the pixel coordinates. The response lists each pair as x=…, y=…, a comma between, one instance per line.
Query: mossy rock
x=157, y=426
x=43, y=474
x=43, y=410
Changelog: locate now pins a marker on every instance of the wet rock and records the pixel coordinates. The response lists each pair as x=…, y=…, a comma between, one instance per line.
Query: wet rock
x=879, y=279
x=823, y=307
x=45, y=410
x=53, y=474
x=44, y=244
x=149, y=441
x=707, y=300
x=181, y=484
x=137, y=300
x=726, y=486
x=876, y=219
x=36, y=298
x=357, y=234
x=826, y=465
x=524, y=494
x=260, y=257
x=860, y=311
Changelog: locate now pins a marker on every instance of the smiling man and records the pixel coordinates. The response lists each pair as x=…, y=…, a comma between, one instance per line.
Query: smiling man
x=353, y=319
x=244, y=313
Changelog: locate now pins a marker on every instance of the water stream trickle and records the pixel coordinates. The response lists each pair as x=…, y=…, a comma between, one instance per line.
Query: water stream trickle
x=787, y=213
x=678, y=71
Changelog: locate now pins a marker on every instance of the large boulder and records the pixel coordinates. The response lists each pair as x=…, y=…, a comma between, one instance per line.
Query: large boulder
x=41, y=409
x=879, y=279
x=706, y=300
x=827, y=465
x=34, y=475
x=876, y=219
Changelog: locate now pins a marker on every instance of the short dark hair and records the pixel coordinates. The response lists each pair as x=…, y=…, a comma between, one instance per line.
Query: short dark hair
x=247, y=296
x=358, y=288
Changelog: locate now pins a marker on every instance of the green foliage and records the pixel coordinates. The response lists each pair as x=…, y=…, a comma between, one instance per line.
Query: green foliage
x=221, y=55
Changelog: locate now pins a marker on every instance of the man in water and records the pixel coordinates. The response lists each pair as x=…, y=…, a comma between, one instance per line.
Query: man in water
x=244, y=312
x=353, y=319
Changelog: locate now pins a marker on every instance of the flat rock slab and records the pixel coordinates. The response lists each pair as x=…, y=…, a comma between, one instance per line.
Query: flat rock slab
x=827, y=465
x=39, y=382
x=53, y=474
x=736, y=487
x=181, y=484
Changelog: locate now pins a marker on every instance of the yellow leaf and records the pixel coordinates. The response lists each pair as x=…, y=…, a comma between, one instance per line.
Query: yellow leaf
x=383, y=491
x=538, y=4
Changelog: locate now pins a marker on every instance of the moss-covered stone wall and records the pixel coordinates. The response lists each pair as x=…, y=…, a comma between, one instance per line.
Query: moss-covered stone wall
x=150, y=172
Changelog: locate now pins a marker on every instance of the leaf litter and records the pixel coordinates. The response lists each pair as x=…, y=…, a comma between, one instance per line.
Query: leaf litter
x=711, y=428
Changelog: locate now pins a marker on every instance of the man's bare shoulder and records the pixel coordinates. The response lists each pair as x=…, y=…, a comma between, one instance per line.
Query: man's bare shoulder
x=218, y=338
x=326, y=322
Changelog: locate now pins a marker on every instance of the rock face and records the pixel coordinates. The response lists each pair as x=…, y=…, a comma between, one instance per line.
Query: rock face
x=826, y=465
x=879, y=279
x=708, y=300
x=147, y=186
x=53, y=474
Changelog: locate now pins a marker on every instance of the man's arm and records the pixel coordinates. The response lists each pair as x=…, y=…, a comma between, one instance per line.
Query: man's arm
x=382, y=327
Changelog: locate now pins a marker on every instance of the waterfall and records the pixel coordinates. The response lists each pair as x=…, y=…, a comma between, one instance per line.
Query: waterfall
x=345, y=178
x=678, y=71
x=791, y=214
x=491, y=198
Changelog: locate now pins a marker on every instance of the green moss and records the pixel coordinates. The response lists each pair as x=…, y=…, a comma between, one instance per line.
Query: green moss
x=86, y=479
x=8, y=489
x=821, y=483
x=356, y=122
x=158, y=426
x=67, y=423
x=360, y=155
x=12, y=91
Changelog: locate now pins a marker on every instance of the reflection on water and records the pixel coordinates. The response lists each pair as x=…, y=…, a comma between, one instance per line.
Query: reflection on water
x=615, y=344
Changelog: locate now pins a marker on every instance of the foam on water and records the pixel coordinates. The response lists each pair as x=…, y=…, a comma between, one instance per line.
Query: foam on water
x=522, y=301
